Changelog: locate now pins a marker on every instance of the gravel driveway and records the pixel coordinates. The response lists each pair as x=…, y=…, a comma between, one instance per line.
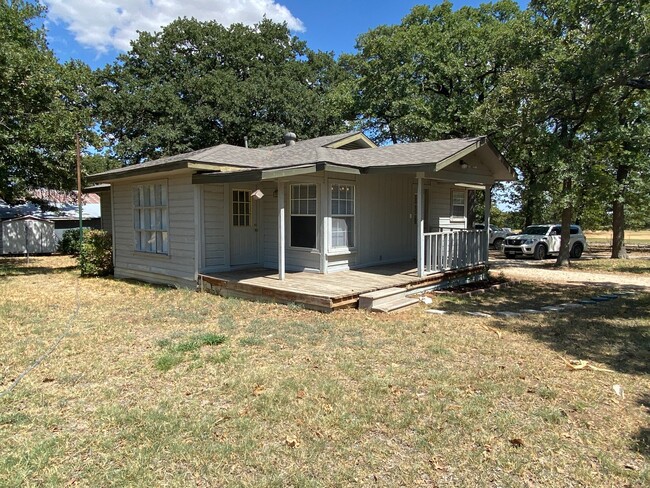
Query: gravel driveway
x=522, y=269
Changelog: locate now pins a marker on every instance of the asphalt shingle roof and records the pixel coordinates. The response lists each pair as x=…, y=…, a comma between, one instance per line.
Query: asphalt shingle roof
x=309, y=152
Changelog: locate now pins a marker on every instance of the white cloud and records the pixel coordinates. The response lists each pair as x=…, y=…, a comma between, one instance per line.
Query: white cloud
x=106, y=24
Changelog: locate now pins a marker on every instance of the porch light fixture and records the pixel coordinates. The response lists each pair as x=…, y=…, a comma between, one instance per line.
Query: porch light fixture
x=463, y=164
x=257, y=194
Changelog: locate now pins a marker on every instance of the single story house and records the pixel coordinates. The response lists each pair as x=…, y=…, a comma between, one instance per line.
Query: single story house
x=323, y=205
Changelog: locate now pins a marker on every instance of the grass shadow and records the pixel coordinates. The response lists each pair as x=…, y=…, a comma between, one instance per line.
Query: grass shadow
x=18, y=266
x=615, y=332
x=642, y=437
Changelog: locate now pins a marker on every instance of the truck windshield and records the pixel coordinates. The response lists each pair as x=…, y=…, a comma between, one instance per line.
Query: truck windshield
x=536, y=230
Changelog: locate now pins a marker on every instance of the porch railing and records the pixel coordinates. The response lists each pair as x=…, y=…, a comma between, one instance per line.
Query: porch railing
x=444, y=251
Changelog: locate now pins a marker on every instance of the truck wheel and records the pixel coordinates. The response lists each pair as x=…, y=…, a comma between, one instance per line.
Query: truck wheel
x=576, y=251
x=540, y=252
x=498, y=244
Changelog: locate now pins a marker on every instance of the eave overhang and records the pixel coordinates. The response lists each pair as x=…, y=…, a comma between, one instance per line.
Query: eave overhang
x=130, y=171
x=270, y=174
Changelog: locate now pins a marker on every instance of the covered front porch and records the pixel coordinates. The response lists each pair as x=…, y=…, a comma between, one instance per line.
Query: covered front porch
x=329, y=292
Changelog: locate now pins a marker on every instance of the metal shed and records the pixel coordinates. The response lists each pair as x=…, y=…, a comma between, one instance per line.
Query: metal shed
x=27, y=234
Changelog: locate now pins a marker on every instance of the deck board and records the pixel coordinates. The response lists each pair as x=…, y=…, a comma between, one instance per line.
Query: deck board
x=320, y=291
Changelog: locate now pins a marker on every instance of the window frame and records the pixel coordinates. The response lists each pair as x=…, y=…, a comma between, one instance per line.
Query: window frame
x=139, y=210
x=247, y=205
x=453, y=217
x=307, y=200
x=333, y=215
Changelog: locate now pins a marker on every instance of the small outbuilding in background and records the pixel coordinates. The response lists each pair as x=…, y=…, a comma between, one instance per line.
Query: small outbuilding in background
x=28, y=234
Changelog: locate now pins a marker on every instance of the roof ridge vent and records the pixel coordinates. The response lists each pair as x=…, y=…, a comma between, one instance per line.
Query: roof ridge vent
x=290, y=138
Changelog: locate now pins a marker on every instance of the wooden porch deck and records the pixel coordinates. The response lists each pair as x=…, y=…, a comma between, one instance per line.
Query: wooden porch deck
x=324, y=292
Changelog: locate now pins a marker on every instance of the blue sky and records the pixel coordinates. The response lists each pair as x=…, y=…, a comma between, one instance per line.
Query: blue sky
x=96, y=31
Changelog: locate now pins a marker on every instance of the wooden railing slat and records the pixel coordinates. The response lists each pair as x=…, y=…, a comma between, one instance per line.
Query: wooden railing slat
x=454, y=250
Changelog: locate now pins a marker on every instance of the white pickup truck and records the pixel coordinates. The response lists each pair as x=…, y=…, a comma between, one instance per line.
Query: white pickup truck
x=497, y=234
x=540, y=241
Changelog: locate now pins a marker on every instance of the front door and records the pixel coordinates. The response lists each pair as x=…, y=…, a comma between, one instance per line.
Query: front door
x=243, y=228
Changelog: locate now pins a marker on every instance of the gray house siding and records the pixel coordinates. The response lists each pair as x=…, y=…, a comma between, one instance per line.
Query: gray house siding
x=106, y=210
x=385, y=228
x=178, y=266
x=214, y=230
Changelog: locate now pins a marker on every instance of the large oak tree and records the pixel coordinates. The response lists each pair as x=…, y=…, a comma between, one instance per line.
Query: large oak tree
x=42, y=105
x=197, y=84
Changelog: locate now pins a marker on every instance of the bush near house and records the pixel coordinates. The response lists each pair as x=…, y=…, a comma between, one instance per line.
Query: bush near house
x=69, y=243
x=96, y=257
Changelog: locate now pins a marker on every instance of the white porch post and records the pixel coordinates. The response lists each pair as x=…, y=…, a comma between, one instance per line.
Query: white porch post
x=420, y=220
x=281, y=238
x=486, y=218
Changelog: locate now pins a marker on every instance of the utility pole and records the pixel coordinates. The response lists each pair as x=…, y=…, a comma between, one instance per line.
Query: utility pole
x=79, y=194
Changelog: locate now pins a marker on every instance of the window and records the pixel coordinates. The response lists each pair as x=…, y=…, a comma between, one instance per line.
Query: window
x=241, y=208
x=303, y=216
x=342, y=200
x=458, y=204
x=151, y=218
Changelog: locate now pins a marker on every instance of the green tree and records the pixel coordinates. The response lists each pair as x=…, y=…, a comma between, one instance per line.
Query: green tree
x=424, y=78
x=579, y=54
x=620, y=166
x=197, y=84
x=41, y=105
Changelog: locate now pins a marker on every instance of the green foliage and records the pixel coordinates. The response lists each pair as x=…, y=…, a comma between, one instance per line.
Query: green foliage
x=96, y=256
x=69, y=243
x=423, y=79
x=168, y=360
x=564, y=110
x=559, y=88
x=197, y=84
x=42, y=106
x=175, y=351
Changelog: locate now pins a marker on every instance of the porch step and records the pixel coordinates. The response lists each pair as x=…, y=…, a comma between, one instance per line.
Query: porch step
x=396, y=303
x=387, y=299
x=368, y=300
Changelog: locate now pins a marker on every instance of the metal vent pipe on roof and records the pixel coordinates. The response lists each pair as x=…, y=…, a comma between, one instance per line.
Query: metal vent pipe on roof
x=290, y=138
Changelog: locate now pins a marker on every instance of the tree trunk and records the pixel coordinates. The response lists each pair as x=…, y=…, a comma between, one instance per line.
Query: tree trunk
x=618, y=217
x=567, y=211
x=529, y=201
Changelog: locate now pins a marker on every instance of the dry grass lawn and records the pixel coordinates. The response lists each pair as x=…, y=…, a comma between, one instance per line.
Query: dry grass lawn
x=639, y=265
x=631, y=236
x=154, y=386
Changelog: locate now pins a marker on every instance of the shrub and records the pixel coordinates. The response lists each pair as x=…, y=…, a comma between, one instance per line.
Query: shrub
x=69, y=243
x=96, y=257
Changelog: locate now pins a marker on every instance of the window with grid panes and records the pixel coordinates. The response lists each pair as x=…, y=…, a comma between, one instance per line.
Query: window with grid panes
x=458, y=203
x=342, y=208
x=303, y=215
x=241, y=208
x=151, y=218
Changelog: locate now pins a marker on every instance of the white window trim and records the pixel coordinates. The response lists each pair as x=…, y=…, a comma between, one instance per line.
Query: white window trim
x=250, y=207
x=291, y=214
x=452, y=217
x=137, y=232
x=331, y=250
